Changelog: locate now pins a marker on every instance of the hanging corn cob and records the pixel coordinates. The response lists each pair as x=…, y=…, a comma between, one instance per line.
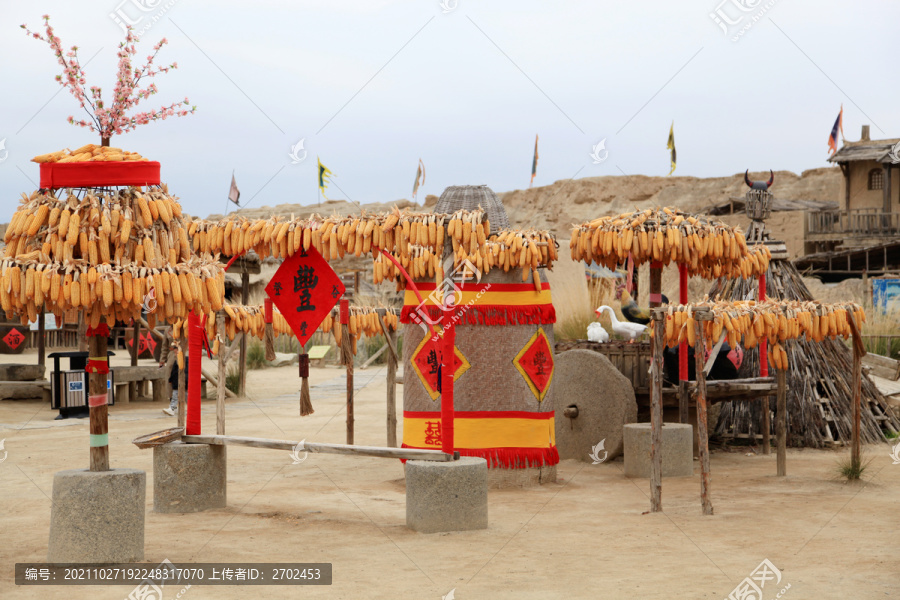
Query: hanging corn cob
x=747, y=322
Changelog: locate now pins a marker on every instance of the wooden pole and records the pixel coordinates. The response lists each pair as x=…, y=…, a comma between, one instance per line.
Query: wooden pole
x=858, y=352
x=135, y=338
x=702, y=432
x=97, y=400
x=304, y=446
x=764, y=372
x=655, y=283
x=41, y=341
x=656, y=376
x=781, y=423
x=391, y=337
x=220, y=389
x=242, y=383
x=347, y=359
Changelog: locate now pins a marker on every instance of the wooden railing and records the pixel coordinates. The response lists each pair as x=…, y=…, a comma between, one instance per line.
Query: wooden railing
x=862, y=222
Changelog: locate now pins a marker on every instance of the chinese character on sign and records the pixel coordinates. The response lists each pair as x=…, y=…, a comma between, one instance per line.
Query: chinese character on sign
x=31, y=574
x=432, y=362
x=432, y=433
x=304, y=279
x=335, y=292
x=14, y=338
x=303, y=329
x=540, y=361
x=277, y=287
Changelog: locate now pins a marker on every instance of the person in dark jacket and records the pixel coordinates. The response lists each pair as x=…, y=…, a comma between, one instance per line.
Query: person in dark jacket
x=168, y=360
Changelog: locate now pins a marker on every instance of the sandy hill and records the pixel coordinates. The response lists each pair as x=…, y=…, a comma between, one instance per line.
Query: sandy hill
x=558, y=205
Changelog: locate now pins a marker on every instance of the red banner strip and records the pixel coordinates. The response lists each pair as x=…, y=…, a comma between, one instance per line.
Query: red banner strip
x=541, y=314
x=98, y=400
x=481, y=414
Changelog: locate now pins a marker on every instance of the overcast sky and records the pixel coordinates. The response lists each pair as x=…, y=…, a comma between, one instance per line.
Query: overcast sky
x=372, y=86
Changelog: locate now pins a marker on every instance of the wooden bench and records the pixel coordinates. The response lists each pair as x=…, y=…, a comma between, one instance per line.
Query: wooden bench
x=156, y=376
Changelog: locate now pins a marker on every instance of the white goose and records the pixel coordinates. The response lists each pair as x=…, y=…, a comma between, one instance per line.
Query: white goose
x=597, y=333
x=630, y=331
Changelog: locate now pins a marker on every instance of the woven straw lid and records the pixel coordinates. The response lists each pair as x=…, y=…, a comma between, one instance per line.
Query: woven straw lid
x=470, y=197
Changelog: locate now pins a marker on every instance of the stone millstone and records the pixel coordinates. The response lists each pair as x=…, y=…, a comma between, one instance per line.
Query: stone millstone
x=446, y=496
x=604, y=399
x=97, y=516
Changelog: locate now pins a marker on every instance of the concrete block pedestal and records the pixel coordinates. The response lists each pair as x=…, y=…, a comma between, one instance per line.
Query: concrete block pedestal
x=677, y=449
x=97, y=516
x=446, y=496
x=188, y=477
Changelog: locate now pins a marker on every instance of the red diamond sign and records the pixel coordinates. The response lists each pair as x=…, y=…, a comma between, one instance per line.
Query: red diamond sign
x=14, y=338
x=427, y=358
x=305, y=288
x=535, y=363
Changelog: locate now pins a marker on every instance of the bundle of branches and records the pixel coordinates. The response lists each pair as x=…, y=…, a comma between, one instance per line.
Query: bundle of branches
x=416, y=241
x=710, y=249
x=747, y=321
x=819, y=377
x=110, y=253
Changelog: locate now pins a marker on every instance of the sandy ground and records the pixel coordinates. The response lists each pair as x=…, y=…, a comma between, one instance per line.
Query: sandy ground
x=585, y=536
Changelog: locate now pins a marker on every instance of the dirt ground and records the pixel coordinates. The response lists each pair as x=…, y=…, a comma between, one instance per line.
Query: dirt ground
x=586, y=536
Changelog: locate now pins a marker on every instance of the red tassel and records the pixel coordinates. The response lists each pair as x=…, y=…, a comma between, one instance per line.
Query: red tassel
x=102, y=330
x=510, y=458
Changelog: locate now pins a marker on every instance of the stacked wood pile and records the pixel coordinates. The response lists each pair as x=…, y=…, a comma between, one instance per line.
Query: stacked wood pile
x=819, y=373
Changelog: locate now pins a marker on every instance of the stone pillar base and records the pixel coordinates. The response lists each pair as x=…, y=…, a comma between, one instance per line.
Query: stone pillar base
x=446, y=496
x=677, y=449
x=97, y=516
x=188, y=477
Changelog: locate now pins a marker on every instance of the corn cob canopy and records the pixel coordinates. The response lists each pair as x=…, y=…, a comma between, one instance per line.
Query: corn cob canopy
x=250, y=320
x=109, y=253
x=708, y=248
x=776, y=320
x=416, y=240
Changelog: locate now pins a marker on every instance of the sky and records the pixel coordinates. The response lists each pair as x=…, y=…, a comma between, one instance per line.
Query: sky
x=370, y=87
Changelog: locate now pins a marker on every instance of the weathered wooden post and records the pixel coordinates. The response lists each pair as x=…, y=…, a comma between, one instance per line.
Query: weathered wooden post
x=245, y=293
x=98, y=395
x=135, y=338
x=781, y=422
x=41, y=341
x=683, y=396
x=220, y=389
x=656, y=378
x=347, y=359
x=702, y=432
x=858, y=352
x=764, y=372
x=393, y=359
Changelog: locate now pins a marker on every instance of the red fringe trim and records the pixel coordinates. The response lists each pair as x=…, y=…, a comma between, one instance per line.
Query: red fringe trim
x=509, y=458
x=535, y=314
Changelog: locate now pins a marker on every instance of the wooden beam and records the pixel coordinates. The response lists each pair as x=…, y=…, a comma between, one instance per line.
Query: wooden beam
x=656, y=376
x=304, y=446
x=781, y=423
x=702, y=431
x=372, y=358
x=215, y=381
